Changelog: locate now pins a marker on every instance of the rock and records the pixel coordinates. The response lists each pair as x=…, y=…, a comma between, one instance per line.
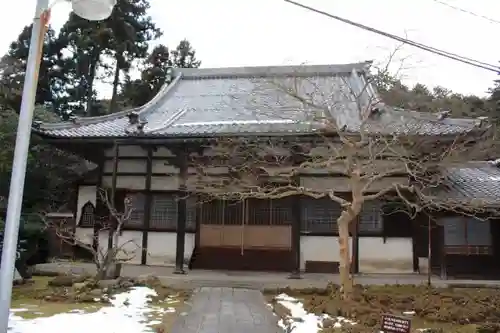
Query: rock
x=86, y=298
x=96, y=293
x=148, y=280
x=108, y=283
x=126, y=284
x=66, y=280
x=80, y=285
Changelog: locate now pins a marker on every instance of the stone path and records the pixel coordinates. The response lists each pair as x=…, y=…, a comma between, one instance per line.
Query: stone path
x=227, y=310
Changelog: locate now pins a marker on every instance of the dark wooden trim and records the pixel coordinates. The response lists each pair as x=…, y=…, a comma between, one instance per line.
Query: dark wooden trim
x=147, y=207
x=140, y=174
x=143, y=158
x=169, y=230
x=336, y=234
x=296, y=224
x=415, y=230
x=113, y=191
x=76, y=188
x=98, y=204
x=199, y=212
x=323, y=267
x=181, y=211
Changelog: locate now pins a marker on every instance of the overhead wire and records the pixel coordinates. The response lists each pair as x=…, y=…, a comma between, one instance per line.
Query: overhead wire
x=467, y=11
x=449, y=55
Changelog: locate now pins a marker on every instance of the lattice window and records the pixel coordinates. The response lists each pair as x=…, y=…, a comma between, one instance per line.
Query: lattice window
x=281, y=211
x=259, y=212
x=319, y=215
x=220, y=212
x=163, y=211
x=136, y=219
x=466, y=231
x=371, y=218
x=192, y=205
x=211, y=212
x=87, y=217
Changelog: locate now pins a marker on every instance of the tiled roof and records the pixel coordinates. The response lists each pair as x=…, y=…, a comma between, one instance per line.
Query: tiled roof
x=476, y=184
x=281, y=100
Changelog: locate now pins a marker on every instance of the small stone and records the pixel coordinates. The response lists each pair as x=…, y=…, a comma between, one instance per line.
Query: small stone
x=96, y=293
x=126, y=284
x=66, y=280
x=108, y=283
x=79, y=285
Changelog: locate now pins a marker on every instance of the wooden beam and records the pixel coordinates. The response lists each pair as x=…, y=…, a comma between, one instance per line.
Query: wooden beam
x=296, y=223
x=99, y=205
x=147, y=206
x=181, y=211
x=113, y=192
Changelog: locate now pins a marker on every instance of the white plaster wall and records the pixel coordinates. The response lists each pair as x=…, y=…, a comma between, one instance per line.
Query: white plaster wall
x=126, y=182
x=375, y=256
x=395, y=255
x=85, y=194
x=161, y=248
x=319, y=248
x=84, y=235
x=131, y=242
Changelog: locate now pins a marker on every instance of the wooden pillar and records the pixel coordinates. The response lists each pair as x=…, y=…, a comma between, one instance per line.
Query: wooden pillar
x=296, y=222
x=147, y=206
x=414, y=243
x=355, y=245
x=113, y=193
x=181, y=211
x=99, y=204
x=444, y=270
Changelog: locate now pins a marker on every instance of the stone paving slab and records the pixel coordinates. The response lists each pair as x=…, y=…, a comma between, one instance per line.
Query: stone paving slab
x=227, y=310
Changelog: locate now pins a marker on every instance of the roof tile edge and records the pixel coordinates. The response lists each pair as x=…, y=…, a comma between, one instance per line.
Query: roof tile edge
x=266, y=71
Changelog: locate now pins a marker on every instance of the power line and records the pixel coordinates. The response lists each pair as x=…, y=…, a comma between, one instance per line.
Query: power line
x=467, y=11
x=449, y=55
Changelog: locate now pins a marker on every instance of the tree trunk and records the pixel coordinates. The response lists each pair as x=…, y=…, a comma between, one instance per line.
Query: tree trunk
x=90, y=82
x=116, y=81
x=346, y=282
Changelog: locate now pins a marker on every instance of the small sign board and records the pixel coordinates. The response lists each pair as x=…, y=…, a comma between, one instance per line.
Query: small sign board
x=395, y=324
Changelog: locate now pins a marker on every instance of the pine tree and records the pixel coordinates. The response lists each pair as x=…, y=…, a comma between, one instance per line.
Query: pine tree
x=154, y=73
x=13, y=70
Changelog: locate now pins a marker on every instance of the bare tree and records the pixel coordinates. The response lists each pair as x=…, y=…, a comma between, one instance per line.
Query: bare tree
x=378, y=151
x=105, y=259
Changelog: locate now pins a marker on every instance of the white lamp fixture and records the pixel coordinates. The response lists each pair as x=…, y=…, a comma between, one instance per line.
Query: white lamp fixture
x=93, y=10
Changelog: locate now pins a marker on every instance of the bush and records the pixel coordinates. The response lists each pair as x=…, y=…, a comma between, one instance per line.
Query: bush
x=32, y=237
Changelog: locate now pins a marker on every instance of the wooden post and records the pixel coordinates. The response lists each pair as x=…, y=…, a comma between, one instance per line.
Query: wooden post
x=147, y=206
x=113, y=193
x=98, y=205
x=296, y=222
x=429, y=251
x=181, y=211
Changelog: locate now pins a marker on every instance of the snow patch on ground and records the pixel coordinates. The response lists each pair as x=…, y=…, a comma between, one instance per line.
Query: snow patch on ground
x=130, y=312
x=301, y=321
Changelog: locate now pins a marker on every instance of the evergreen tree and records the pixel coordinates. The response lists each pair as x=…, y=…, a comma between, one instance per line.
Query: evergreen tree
x=154, y=73
x=13, y=70
x=124, y=36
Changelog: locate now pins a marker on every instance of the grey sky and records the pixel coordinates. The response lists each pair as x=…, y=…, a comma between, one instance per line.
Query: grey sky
x=272, y=32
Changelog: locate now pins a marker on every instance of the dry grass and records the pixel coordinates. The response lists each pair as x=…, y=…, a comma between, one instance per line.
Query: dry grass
x=462, y=310
x=29, y=296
